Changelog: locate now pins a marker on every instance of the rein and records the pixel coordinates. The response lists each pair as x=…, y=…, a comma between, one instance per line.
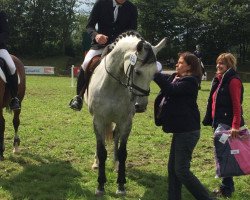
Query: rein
x=130, y=75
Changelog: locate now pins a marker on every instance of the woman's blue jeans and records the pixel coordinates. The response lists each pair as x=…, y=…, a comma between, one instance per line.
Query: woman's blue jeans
x=179, y=172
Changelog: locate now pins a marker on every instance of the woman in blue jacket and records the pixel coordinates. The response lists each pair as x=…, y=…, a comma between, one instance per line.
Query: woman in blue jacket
x=176, y=110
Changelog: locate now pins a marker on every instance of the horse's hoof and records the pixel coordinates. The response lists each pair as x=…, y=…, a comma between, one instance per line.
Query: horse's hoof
x=121, y=192
x=99, y=193
x=16, y=150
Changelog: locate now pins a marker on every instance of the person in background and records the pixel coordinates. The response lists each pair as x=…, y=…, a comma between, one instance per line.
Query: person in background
x=197, y=52
x=6, y=60
x=179, y=114
x=199, y=55
x=171, y=61
x=225, y=106
x=113, y=17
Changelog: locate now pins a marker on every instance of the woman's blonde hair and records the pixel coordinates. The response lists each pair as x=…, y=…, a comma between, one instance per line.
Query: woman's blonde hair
x=228, y=59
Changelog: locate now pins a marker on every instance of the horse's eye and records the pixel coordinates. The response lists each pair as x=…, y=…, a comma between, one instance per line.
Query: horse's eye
x=137, y=72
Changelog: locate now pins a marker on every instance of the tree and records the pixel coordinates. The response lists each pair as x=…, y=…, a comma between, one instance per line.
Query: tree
x=52, y=27
x=226, y=28
x=41, y=27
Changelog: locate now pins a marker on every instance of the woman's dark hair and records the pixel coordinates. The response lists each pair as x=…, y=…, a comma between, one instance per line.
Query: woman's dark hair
x=194, y=63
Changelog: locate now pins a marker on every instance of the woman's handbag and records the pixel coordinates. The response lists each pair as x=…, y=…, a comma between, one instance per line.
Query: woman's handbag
x=159, y=109
x=232, y=155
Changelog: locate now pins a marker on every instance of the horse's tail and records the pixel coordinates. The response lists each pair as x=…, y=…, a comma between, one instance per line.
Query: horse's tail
x=109, y=132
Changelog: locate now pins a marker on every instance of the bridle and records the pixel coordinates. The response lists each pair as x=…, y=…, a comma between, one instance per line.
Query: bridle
x=130, y=74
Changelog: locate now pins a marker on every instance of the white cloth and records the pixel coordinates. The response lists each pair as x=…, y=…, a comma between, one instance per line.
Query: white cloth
x=115, y=10
x=4, y=54
x=91, y=53
x=159, y=66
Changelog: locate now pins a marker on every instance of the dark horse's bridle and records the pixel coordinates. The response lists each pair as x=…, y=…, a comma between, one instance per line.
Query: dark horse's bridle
x=130, y=74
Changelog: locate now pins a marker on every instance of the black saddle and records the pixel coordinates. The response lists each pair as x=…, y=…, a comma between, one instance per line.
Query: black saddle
x=4, y=68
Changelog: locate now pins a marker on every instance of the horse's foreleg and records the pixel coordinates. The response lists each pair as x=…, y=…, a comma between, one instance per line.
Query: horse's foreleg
x=122, y=156
x=16, y=123
x=102, y=156
x=116, y=143
x=124, y=131
x=2, y=128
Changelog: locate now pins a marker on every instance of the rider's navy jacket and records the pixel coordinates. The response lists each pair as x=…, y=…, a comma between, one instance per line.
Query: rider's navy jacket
x=180, y=111
x=103, y=15
x=4, y=31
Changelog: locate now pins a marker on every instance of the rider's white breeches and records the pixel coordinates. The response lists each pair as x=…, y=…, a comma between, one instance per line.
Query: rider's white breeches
x=4, y=54
x=91, y=53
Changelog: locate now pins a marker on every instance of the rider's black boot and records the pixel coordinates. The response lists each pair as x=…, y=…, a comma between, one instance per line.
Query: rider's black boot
x=77, y=102
x=13, y=87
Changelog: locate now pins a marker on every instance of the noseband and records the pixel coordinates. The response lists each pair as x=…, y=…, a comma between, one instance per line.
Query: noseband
x=130, y=74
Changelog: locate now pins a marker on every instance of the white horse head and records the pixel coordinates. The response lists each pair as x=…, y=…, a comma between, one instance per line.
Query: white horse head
x=145, y=70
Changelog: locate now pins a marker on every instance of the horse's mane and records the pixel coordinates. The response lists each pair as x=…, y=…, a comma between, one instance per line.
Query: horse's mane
x=111, y=46
x=150, y=57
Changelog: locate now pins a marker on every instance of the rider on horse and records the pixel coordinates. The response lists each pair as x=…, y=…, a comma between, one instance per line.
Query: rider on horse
x=6, y=60
x=124, y=17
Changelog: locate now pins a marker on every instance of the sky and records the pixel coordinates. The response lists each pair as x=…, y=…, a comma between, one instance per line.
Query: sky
x=86, y=8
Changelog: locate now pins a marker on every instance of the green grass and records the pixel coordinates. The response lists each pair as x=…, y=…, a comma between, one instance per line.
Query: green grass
x=58, y=146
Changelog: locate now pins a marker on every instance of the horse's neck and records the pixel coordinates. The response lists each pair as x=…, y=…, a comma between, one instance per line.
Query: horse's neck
x=115, y=59
x=115, y=63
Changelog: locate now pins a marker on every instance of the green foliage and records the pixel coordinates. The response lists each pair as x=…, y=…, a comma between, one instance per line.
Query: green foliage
x=58, y=147
x=41, y=27
x=226, y=28
x=56, y=27
x=216, y=25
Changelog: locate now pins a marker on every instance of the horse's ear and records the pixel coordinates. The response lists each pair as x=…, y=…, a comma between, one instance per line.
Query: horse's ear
x=139, y=46
x=160, y=45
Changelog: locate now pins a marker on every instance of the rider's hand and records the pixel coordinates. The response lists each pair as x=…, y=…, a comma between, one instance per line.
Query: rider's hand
x=234, y=133
x=101, y=39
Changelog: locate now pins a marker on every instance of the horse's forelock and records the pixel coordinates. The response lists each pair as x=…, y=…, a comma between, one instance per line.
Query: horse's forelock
x=139, y=46
x=150, y=56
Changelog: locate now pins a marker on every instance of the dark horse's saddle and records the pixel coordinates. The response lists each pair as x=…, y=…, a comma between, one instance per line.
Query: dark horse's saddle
x=5, y=69
x=3, y=66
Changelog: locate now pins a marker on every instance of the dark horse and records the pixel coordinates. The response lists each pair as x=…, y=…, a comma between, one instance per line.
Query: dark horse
x=5, y=100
